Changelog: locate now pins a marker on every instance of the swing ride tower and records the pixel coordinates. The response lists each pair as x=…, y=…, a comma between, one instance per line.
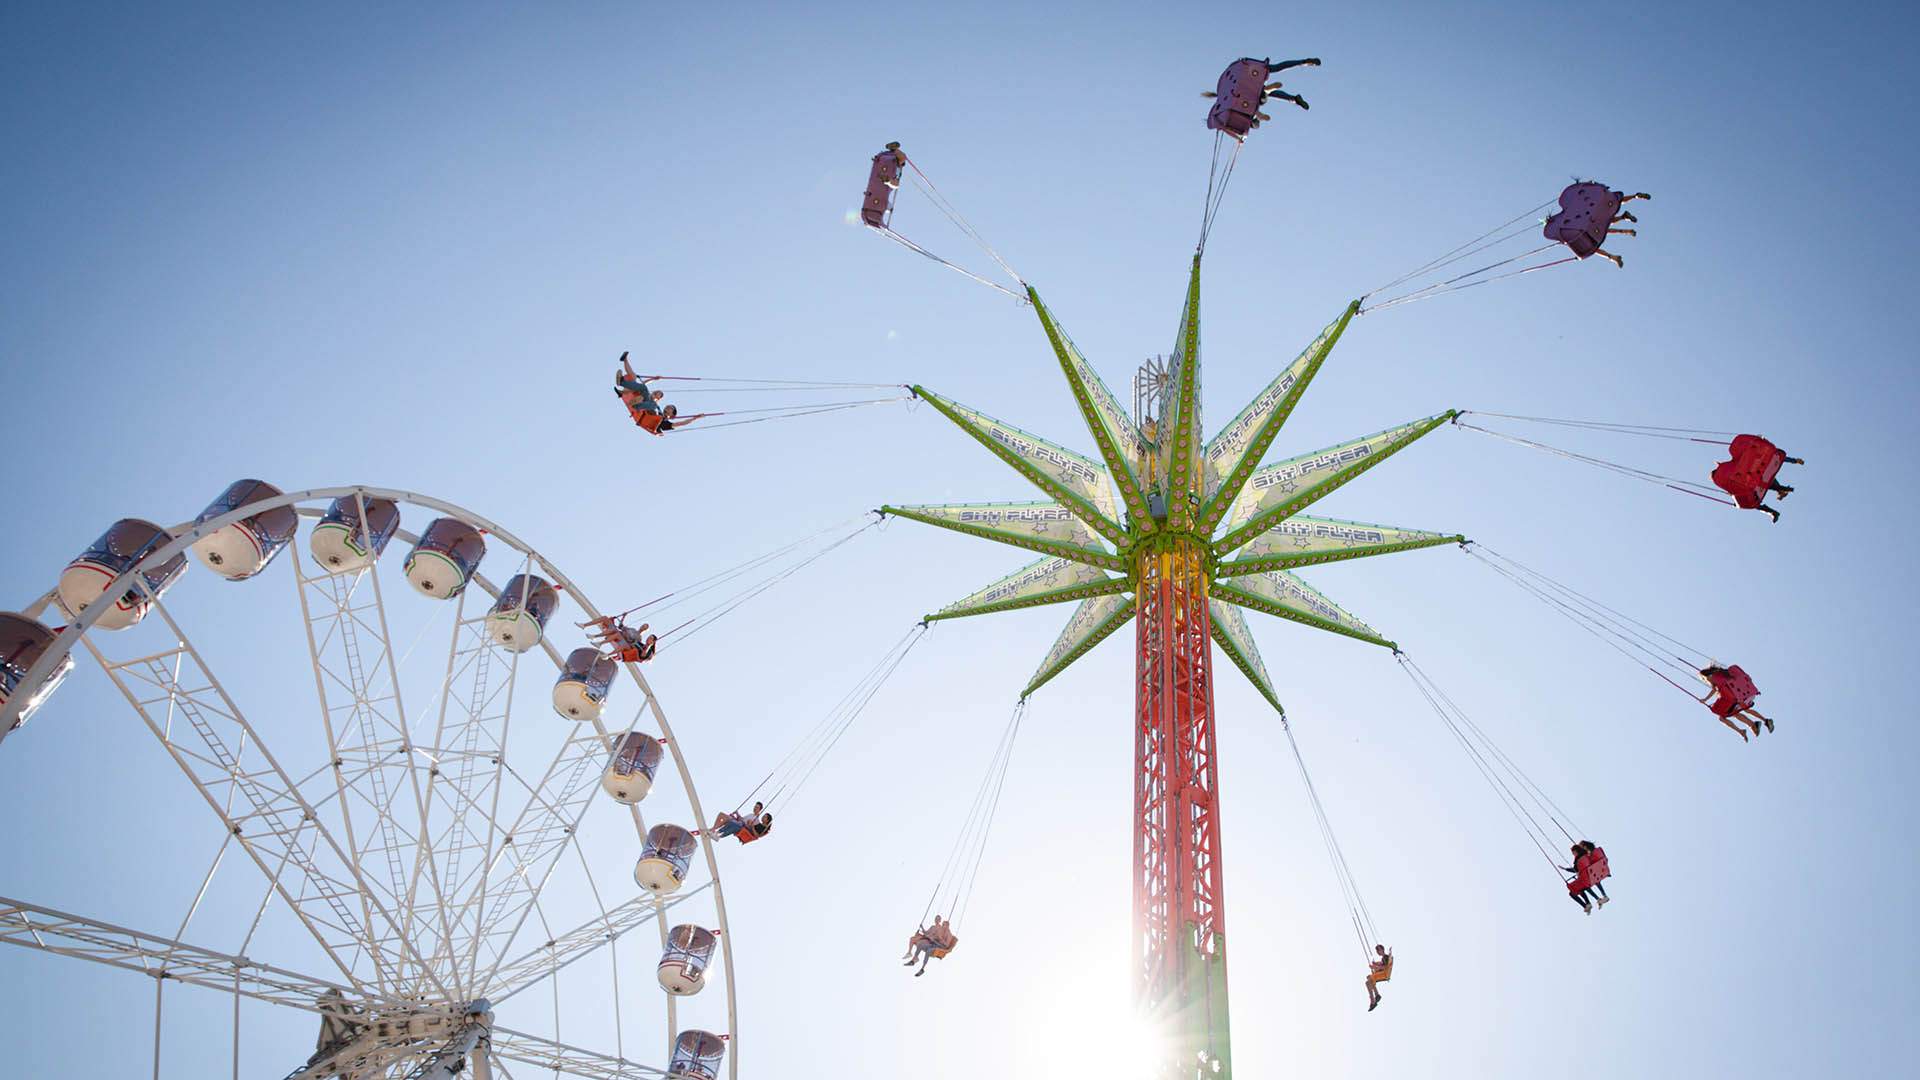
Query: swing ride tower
x=1179, y=906
x=1179, y=536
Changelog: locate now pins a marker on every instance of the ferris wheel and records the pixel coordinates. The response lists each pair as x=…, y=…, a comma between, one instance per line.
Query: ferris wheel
x=419, y=828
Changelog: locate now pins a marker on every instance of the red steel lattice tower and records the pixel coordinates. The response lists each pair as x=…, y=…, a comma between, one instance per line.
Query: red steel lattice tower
x=1179, y=935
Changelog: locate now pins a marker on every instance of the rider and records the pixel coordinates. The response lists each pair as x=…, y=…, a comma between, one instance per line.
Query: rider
x=667, y=419
x=926, y=940
x=758, y=829
x=1600, y=887
x=1729, y=707
x=631, y=646
x=1583, y=895
x=638, y=651
x=1272, y=90
x=732, y=821
x=1378, y=971
x=919, y=946
x=633, y=390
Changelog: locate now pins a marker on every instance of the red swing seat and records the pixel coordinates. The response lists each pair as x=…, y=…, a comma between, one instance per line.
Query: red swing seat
x=1733, y=691
x=1749, y=470
x=1589, y=869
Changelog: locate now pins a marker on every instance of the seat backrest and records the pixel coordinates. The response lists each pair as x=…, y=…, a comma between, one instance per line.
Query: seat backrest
x=1237, y=96
x=1740, y=685
x=1586, y=210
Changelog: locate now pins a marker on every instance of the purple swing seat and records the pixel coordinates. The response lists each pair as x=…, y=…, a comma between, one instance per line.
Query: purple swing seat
x=1586, y=211
x=876, y=209
x=1236, y=104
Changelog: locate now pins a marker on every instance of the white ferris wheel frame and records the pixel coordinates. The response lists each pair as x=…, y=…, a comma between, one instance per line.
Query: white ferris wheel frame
x=286, y=813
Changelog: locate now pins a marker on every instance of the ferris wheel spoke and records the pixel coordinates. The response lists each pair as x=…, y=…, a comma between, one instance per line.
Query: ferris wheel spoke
x=566, y=1060
x=499, y=1066
x=543, y=960
x=356, y=680
x=538, y=837
x=221, y=753
x=468, y=757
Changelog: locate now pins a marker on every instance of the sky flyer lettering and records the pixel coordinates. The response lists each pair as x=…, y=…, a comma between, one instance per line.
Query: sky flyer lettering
x=1328, y=530
x=1030, y=518
x=1066, y=465
x=1042, y=578
x=1332, y=459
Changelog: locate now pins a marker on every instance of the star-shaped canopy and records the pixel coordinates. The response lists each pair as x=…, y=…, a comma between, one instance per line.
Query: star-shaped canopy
x=1159, y=480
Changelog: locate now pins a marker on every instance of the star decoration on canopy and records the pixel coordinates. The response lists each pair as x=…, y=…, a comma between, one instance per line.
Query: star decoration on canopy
x=1157, y=484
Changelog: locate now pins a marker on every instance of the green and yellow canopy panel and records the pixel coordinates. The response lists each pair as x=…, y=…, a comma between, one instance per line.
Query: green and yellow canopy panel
x=1092, y=623
x=1121, y=443
x=1282, y=594
x=1230, y=632
x=1303, y=540
x=1051, y=580
x=1283, y=489
x=1074, y=481
x=1233, y=453
x=1046, y=527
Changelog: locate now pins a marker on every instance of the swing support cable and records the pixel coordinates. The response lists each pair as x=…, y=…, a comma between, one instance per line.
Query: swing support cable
x=798, y=765
x=926, y=186
x=962, y=868
x=710, y=615
x=1362, y=918
x=1685, y=487
x=1658, y=652
x=1529, y=805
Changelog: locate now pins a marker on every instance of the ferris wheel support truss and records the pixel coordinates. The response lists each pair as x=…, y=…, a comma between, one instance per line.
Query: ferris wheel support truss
x=169, y=960
x=440, y=927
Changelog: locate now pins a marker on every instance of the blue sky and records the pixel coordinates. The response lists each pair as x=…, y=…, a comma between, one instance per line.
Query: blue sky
x=402, y=246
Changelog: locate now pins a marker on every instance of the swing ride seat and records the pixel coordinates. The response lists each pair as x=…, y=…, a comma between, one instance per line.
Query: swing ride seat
x=1237, y=98
x=1733, y=691
x=1597, y=868
x=747, y=836
x=1749, y=470
x=1383, y=974
x=1586, y=212
x=1588, y=869
x=876, y=207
